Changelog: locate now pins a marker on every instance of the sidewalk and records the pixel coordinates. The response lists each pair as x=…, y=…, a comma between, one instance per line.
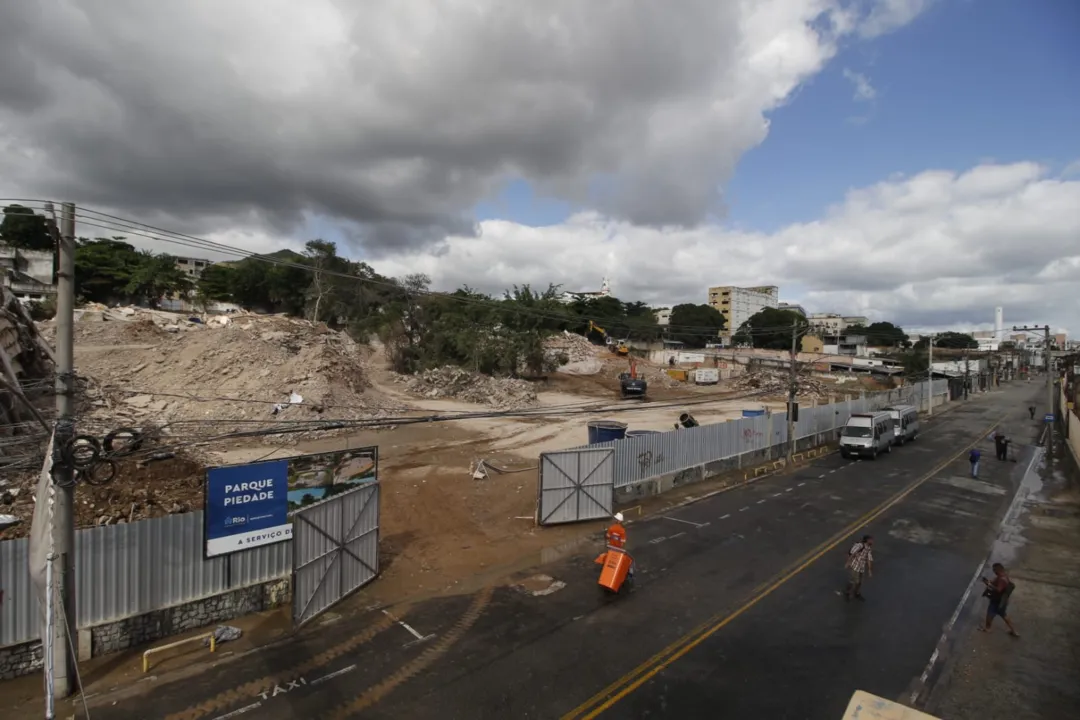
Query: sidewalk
x=996, y=677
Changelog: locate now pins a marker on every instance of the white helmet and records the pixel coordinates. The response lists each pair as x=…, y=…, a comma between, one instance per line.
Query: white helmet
x=619, y=517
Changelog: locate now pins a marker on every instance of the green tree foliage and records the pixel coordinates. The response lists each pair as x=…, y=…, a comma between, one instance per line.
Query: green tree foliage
x=771, y=328
x=156, y=277
x=110, y=270
x=695, y=325
x=950, y=340
x=633, y=321
x=25, y=229
x=880, y=334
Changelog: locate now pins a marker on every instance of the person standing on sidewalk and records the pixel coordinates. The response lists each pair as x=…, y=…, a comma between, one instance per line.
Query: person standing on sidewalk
x=998, y=592
x=1031, y=411
x=973, y=458
x=860, y=562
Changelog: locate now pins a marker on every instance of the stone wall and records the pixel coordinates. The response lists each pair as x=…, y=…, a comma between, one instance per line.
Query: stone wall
x=17, y=660
x=25, y=658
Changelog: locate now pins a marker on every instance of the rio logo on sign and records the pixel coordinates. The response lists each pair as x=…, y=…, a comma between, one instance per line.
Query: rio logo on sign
x=247, y=506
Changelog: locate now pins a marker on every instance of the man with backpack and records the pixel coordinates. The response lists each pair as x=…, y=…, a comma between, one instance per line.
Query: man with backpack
x=973, y=458
x=998, y=592
x=860, y=562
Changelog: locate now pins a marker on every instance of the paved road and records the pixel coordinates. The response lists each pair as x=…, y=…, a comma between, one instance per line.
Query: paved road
x=737, y=612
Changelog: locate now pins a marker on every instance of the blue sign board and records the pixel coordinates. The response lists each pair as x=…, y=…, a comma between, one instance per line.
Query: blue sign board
x=1049, y=417
x=247, y=506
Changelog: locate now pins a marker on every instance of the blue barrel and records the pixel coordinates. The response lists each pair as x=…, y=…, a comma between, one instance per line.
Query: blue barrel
x=641, y=433
x=605, y=431
x=753, y=413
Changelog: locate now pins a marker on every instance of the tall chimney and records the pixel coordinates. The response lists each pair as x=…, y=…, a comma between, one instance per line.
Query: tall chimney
x=999, y=323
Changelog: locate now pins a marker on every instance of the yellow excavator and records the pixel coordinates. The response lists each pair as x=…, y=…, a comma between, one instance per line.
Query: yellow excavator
x=619, y=347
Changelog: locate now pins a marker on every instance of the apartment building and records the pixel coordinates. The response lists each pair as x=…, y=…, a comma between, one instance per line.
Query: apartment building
x=793, y=307
x=28, y=274
x=193, y=267
x=835, y=324
x=738, y=304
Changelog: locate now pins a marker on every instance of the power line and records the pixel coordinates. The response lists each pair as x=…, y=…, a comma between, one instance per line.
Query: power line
x=105, y=221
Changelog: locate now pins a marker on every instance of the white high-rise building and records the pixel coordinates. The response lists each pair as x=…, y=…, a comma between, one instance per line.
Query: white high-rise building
x=999, y=322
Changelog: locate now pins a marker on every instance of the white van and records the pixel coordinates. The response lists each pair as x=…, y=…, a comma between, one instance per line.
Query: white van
x=905, y=422
x=866, y=435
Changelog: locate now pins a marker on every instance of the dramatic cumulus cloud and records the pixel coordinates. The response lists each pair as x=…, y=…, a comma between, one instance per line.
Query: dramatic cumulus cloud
x=939, y=249
x=394, y=118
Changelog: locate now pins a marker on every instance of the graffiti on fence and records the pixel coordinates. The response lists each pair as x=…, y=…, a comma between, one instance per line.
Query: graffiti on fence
x=647, y=459
x=750, y=435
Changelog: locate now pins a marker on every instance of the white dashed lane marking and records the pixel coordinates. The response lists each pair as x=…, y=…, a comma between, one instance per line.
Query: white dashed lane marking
x=725, y=517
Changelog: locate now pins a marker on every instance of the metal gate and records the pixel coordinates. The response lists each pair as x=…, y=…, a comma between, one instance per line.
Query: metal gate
x=576, y=485
x=335, y=550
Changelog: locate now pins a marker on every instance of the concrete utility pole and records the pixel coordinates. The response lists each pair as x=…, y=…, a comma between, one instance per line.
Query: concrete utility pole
x=792, y=388
x=967, y=374
x=1046, y=361
x=66, y=655
x=930, y=370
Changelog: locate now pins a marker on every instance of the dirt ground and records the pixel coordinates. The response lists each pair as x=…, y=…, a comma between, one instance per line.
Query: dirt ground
x=439, y=524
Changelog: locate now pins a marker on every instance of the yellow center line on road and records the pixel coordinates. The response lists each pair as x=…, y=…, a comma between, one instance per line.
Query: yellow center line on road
x=637, y=677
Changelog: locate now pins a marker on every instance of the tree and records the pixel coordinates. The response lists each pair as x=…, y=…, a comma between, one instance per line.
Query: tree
x=771, y=328
x=956, y=341
x=104, y=268
x=25, y=229
x=881, y=334
x=321, y=256
x=216, y=283
x=695, y=325
x=156, y=277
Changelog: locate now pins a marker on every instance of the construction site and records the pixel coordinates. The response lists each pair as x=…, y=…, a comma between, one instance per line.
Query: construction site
x=205, y=390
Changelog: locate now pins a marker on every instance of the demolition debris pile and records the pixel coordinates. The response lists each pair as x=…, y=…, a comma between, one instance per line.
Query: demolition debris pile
x=573, y=354
x=195, y=375
x=454, y=382
x=26, y=385
x=775, y=382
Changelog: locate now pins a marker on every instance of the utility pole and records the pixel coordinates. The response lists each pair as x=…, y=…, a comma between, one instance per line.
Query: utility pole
x=1046, y=361
x=967, y=374
x=65, y=656
x=930, y=371
x=792, y=407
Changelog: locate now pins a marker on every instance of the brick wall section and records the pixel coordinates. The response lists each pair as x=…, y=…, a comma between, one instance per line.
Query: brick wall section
x=25, y=658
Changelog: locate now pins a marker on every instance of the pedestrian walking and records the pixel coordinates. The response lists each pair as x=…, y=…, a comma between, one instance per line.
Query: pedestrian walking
x=973, y=458
x=1031, y=411
x=998, y=591
x=859, y=563
x=1001, y=446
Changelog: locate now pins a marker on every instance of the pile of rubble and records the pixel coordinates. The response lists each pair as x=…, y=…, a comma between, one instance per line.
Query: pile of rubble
x=575, y=347
x=454, y=382
x=205, y=375
x=775, y=382
x=573, y=354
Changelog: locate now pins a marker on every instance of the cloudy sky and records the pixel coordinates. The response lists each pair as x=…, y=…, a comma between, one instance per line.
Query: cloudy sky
x=912, y=160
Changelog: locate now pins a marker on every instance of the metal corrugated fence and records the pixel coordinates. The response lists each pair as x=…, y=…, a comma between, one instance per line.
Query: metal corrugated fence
x=645, y=457
x=129, y=569
x=335, y=549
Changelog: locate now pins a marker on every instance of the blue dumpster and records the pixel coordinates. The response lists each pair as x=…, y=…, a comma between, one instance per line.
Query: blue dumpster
x=601, y=431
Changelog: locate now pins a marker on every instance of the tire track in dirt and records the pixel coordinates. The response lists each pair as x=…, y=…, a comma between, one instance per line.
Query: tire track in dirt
x=377, y=692
x=243, y=693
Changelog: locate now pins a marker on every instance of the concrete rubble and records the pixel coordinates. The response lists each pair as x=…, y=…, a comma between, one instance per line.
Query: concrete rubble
x=453, y=382
x=775, y=382
x=216, y=373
